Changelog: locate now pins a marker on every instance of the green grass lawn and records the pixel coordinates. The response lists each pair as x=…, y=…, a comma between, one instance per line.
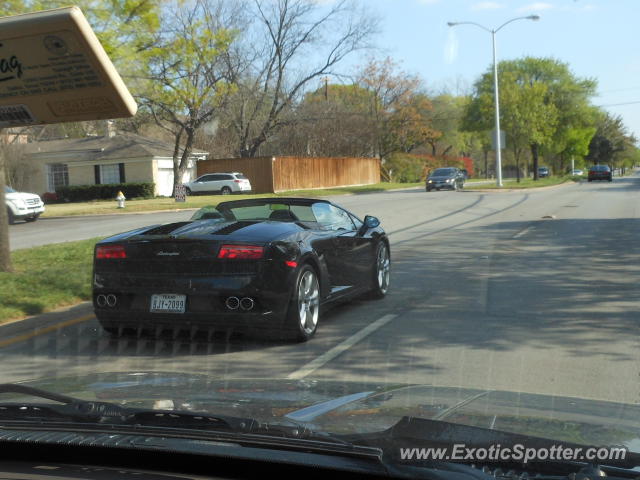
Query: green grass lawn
x=110, y=206
x=524, y=183
x=46, y=278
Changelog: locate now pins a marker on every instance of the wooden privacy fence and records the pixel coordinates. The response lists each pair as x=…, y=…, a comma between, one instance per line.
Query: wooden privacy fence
x=277, y=174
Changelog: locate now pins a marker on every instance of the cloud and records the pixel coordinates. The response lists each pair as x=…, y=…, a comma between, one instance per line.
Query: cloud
x=535, y=7
x=487, y=6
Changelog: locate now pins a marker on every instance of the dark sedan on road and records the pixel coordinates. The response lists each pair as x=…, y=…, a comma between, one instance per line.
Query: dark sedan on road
x=449, y=178
x=262, y=264
x=600, y=172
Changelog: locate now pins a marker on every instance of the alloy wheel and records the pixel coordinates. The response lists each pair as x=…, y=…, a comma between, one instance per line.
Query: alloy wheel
x=308, y=301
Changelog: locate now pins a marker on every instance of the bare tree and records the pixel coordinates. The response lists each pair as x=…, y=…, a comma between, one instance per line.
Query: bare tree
x=18, y=168
x=290, y=44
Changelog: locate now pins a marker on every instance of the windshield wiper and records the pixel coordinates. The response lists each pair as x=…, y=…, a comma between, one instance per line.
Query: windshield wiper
x=103, y=413
x=74, y=413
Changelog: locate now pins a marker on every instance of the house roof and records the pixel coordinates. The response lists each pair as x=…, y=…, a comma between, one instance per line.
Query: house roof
x=120, y=146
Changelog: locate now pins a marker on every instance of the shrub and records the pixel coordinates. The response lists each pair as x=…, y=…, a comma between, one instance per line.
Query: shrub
x=83, y=193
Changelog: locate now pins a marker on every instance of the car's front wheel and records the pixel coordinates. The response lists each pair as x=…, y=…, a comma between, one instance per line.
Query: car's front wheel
x=301, y=322
x=381, y=271
x=10, y=216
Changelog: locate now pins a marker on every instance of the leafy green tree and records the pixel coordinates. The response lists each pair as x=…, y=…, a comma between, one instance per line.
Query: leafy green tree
x=542, y=104
x=187, y=80
x=527, y=115
x=612, y=144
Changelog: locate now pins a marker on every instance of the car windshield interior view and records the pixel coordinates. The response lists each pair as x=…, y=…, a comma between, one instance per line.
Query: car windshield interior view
x=319, y=238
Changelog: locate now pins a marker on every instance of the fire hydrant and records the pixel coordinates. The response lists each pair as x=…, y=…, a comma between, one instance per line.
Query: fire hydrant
x=121, y=198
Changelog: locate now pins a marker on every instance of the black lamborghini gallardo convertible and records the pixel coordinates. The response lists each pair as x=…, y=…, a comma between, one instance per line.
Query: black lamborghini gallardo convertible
x=267, y=264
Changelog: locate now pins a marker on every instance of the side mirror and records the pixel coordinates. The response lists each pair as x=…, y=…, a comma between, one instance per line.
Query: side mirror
x=371, y=222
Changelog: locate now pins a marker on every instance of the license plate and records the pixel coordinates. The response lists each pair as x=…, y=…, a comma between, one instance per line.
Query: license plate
x=168, y=303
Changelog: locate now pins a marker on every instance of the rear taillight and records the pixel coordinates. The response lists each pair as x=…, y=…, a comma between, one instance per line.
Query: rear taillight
x=238, y=181
x=111, y=251
x=241, y=252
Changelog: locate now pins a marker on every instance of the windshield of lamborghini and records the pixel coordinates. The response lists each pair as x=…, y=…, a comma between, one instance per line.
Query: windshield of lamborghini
x=333, y=283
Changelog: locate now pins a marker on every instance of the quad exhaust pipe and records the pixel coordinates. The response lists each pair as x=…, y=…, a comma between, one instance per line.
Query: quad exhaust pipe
x=235, y=303
x=246, y=303
x=101, y=300
x=232, y=303
x=109, y=300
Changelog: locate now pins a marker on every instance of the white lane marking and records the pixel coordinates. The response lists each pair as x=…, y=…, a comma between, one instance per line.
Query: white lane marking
x=522, y=232
x=326, y=357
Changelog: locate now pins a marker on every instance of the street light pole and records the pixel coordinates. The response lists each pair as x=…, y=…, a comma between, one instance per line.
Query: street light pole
x=498, y=140
x=497, y=104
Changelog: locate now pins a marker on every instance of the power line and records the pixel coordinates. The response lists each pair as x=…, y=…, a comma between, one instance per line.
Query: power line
x=620, y=104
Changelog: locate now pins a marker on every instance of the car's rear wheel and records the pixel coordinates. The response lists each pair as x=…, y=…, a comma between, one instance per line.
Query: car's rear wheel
x=381, y=271
x=301, y=322
x=10, y=216
x=225, y=191
x=188, y=191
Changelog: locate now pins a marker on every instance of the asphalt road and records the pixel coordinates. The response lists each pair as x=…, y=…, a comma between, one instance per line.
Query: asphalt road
x=532, y=291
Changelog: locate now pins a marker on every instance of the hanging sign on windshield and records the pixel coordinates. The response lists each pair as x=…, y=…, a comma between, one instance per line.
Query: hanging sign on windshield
x=53, y=69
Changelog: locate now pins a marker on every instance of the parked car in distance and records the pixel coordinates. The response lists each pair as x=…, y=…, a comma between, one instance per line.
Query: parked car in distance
x=22, y=206
x=577, y=171
x=543, y=172
x=600, y=172
x=268, y=265
x=451, y=178
x=224, y=183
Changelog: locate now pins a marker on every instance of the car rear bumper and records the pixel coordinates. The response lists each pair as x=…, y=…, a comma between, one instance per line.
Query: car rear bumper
x=206, y=300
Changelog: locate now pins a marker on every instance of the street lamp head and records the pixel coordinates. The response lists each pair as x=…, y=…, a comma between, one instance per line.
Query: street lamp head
x=452, y=24
x=535, y=18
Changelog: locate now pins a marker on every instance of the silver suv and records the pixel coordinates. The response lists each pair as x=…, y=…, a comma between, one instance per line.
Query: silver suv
x=22, y=206
x=224, y=183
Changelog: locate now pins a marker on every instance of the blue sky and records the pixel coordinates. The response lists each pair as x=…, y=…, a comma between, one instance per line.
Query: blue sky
x=597, y=38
